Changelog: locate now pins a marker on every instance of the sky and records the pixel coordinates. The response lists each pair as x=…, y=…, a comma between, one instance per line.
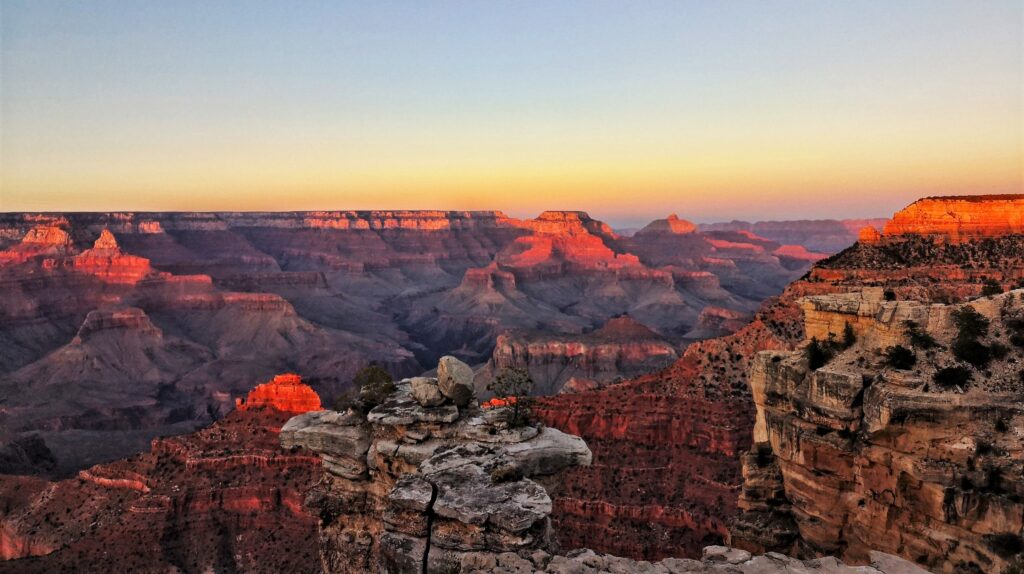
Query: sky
x=628, y=110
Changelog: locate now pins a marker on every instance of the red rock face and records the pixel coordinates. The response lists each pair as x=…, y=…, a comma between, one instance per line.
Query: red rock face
x=226, y=498
x=284, y=393
x=960, y=218
x=228, y=298
x=666, y=474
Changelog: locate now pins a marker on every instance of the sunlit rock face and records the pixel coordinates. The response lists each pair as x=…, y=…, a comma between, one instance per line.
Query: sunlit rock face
x=621, y=423
x=960, y=218
x=234, y=297
x=285, y=393
x=226, y=498
x=621, y=348
x=875, y=456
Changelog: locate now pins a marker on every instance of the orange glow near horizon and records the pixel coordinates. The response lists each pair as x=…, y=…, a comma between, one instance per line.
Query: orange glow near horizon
x=629, y=112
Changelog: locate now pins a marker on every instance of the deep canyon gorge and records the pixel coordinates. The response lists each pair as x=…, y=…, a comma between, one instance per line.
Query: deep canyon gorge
x=678, y=353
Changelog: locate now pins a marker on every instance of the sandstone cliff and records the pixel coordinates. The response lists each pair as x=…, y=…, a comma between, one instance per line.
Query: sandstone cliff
x=960, y=218
x=894, y=456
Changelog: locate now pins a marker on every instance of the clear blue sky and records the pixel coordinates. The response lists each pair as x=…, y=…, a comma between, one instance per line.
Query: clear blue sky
x=630, y=110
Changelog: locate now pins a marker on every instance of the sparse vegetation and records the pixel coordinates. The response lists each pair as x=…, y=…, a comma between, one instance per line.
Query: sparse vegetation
x=515, y=385
x=370, y=387
x=849, y=336
x=900, y=357
x=819, y=353
x=991, y=287
x=970, y=323
x=919, y=339
x=971, y=326
x=951, y=377
x=973, y=352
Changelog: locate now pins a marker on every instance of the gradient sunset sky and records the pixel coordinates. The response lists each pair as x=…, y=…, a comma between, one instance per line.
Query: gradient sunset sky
x=629, y=110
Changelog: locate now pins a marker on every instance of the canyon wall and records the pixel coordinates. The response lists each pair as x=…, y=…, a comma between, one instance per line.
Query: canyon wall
x=889, y=456
x=119, y=327
x=227, y=498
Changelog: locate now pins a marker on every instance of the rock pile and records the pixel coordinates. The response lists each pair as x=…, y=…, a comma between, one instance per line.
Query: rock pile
x=428, y=482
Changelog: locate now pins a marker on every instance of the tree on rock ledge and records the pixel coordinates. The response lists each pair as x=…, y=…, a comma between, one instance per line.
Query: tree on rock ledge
x=514, y=385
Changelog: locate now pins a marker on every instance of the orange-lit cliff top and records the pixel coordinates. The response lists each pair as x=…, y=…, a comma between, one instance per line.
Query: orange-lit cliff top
x=958, y=218
x=285, y=393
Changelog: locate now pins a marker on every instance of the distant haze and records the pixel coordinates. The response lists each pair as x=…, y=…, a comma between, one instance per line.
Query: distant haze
x=629, y=110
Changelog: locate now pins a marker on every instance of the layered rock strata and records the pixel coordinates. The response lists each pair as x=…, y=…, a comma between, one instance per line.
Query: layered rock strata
x=422, y=484
x=226, y=498
x=960, y=218
x=868, y=452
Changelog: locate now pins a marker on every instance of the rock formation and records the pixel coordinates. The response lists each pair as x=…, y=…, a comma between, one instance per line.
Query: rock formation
x=621, y=348
x=914, y=458
x=238, y=297
x=823, y=235
x=421, y=484
x=227, y=498
x=625, y=425
x=284, y=393
x=960, y=218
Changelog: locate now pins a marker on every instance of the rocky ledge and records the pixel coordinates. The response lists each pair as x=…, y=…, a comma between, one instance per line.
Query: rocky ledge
x=426, y=481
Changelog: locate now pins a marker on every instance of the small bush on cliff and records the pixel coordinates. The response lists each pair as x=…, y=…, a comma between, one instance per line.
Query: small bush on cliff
x=972, y=352
x=971, y=325
x=819, y=354
x=919, y=339
x=370, y=387
x=991, y=287
x=900, y=357
x=849, y=337
x=1005, y=544
x=950, y=377
x=514, y=383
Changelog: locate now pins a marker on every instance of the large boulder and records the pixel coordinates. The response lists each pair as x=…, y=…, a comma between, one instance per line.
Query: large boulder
x=455, y=380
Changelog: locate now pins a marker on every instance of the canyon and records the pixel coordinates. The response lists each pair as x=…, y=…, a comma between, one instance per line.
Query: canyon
x=631, y=501
x=227, y=498
x=733, y=439
x=116, y=328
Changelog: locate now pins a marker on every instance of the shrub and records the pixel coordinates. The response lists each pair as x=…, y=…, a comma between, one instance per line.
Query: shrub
x=991, y=287
x=999, y=351
x=818, y=354
x=514, y=383
x=973, y=352
x=849, y=337
x=919, y=339
x=970, y=324
x=1005, y=544
x=370, y=387
x=900, y=357
x=1017, y=339
x=950, y=377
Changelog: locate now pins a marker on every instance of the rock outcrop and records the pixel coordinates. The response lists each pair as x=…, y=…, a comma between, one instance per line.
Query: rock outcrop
x=915, y=457
x=284, y=393
x=960, y=218
x=226, y=498
x=418, y=485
